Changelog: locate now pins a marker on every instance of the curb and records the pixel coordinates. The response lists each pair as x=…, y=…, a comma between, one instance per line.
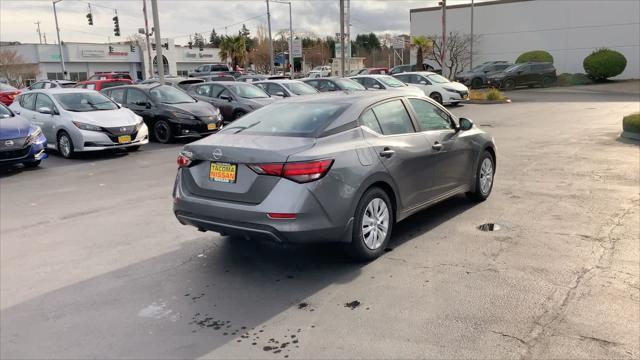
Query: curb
x=630, y=135
x=488, y=102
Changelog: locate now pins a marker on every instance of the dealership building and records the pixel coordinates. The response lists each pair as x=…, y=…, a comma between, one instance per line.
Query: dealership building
x=84, y=59
x=568, y=29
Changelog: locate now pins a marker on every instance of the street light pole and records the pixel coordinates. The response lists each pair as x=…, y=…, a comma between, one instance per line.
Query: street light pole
x=290, y=35
x=342, y=52
x=156, y=30
x=444, y=34
x=146, y=35
x=472, y=39
x=55, y=15
x=270, y=40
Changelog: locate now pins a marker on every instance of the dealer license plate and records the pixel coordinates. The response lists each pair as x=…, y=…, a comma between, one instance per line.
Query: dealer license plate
x=223, y=172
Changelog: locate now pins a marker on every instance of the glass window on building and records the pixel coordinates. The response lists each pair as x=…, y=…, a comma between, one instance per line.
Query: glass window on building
x=183, y=73
x=55, y=76
x=78, y=76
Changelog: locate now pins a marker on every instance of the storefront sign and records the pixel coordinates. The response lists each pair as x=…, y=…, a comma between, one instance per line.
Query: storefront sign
x=190, y=55
x=93, y=52
x=118, y=53
x=206, y=55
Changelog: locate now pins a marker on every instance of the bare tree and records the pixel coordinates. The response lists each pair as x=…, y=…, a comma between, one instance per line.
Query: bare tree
x=15, y=69
x=457, y=52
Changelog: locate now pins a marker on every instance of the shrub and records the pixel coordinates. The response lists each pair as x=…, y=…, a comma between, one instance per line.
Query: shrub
x=604, y=63
x=535, y=56
x=631, y=123
x=495, y=94
x=573, y=79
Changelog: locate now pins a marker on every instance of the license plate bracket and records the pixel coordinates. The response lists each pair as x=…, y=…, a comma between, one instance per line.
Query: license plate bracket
x=223, y=172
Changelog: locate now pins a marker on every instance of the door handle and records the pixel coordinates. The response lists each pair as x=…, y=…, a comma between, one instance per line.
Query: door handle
x=387, y=152
x=437, y=146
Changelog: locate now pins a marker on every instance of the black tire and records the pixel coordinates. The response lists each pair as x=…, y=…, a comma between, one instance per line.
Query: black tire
x=65, y=145
x=358, y=248
x=546, y=82
x=162, y=132
x=238, y=114
x=32, y=164
x=476, y=83
x=455, y=103
x=133, y=148
x=481, y=194
x=509, y=84
x=436, y=96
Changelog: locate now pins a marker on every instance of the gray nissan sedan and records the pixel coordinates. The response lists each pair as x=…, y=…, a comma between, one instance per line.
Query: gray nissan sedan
x=340, y=167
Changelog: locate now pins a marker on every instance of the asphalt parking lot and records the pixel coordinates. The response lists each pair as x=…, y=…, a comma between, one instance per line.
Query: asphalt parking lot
x=94, y=264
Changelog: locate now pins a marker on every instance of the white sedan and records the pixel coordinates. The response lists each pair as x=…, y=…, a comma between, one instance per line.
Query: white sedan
x=436, y=86
x=385, y=82
x=75, y=120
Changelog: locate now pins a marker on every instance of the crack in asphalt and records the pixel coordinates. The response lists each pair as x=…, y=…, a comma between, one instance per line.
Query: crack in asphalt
x=539, y=328
x=510, y=337
x=601, y=342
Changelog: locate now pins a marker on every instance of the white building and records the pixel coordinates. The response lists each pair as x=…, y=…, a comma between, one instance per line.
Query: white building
x=84, y=59
x=568, y=29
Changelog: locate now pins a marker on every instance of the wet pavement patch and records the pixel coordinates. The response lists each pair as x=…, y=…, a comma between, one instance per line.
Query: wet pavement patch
x=489, y=227
x=302, y=305
x=352, y=305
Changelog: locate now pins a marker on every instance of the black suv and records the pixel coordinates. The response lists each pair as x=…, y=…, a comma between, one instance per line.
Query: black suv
x=477, y=77
x=526, y=74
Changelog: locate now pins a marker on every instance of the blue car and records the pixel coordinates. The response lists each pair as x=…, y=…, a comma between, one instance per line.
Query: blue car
x=20, y=141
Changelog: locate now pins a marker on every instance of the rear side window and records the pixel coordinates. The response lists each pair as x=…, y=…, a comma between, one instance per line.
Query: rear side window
x=369, y=120
x=108, y=84
x=403, y=77
x=28, y=101
x=219, y=68
x=202, y=90
x=393, y=118
x=293, y=119
x=136, y=97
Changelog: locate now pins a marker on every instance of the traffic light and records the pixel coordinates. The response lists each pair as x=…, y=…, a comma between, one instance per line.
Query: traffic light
x=110, y=49
x=116, y=26
x=90, y=19
x=132, y=48
x=190, y=44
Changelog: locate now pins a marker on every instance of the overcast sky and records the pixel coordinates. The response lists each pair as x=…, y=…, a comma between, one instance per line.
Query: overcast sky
x=179, y=18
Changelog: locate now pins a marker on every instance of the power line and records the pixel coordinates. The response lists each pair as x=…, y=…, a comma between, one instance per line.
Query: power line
x=224, y=26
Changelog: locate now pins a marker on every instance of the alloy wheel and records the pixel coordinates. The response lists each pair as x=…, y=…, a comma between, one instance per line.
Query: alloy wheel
x=64, y=145
x=375, y=223
x=161, y=131
x=486, y=175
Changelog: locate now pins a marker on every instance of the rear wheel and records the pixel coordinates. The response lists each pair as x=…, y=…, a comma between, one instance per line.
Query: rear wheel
x=509, y=84
x=65, y=145
x=437, y=97
x=546, y=81
x=372, y=226
x=484, y=178
x=162, y=131
x=476, y=83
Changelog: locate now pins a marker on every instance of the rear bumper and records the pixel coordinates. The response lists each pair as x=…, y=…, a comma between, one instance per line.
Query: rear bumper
x=312, y=223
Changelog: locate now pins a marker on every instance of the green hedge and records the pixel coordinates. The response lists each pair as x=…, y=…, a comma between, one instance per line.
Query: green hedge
x=573, y=79
x=604, y=63
x=535, y=56
x=631, y=123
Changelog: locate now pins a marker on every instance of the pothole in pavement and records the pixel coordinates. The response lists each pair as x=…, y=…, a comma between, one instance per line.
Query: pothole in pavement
x=489, y=227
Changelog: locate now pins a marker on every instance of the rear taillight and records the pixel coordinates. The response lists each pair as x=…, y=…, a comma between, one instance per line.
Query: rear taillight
x=184, y=159
x=300, y=172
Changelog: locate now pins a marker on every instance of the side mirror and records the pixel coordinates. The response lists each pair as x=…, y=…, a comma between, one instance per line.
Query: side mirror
x=423, y=82
x=465, y=124
x=280, y=93
x=45, y=110
x=226, y=97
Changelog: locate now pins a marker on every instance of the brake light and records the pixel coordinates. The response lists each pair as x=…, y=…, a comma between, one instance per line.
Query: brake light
x=184, y=159
x=281, y=216
x=300, y=172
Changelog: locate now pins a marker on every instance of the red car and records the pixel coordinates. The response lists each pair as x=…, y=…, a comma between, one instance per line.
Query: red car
x=110, y=76
x=8, y=93
x=99, y=85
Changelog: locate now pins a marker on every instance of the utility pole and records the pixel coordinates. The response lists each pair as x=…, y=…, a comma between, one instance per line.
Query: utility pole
x=39, y=33
x=156, y=30
x=290, y=35
x=472, y=39
x=146, y=35
x=55, y=15
x=270, y=40
x=342, y=53
x=348, y=32
x=45, y=38
x=444, y=36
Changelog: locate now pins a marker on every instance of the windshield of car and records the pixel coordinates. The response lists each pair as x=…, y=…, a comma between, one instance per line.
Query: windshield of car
x=85, y=101
x=478, y=67
x=439, y=79
x=6, y=87
x=287, y=119
x=300, y=88
x=248, y=91
x=514, y=67
x=346, y=84
x=5, y=112
x=391, y=81
x=169, y=95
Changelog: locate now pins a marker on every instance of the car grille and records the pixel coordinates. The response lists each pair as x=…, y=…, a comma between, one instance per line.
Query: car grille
x=120, y=130
x=14, y=154
x=114, y=138
x=12, y=144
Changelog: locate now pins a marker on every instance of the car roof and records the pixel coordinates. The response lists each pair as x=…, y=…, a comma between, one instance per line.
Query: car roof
x=58, y=90
x=370, y=75
x=277, y=81
x=417, y=72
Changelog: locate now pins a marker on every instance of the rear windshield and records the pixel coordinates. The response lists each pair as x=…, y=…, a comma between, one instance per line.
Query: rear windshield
x=347, y=84
x=287, y=119
x=300, y=88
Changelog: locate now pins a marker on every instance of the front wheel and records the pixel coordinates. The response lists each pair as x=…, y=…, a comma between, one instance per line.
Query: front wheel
x=372, y=226
x=162, y=131
x=484, y=178
x=437, y=97
x=65, y=145
x=509, y=84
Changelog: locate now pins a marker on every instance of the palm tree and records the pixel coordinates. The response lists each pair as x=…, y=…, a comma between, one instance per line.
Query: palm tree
x=233, y=48
x=421, y=43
